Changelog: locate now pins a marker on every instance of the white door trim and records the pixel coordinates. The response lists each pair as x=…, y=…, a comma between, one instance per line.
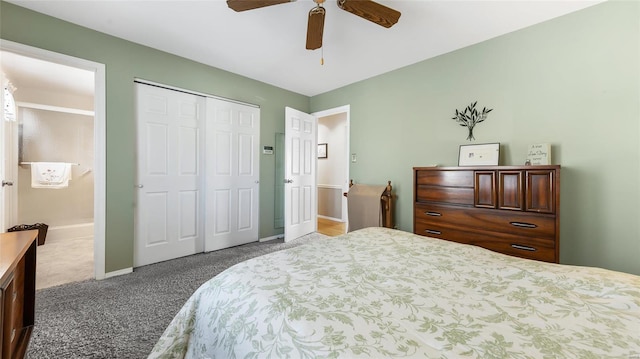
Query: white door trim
x=346, y=109
x=99, y=191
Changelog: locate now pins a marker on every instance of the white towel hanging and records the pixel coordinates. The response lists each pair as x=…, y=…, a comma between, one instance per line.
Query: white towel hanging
x=54, y=175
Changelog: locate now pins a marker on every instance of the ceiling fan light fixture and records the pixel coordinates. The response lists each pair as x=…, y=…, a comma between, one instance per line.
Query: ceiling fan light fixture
x=366, y=9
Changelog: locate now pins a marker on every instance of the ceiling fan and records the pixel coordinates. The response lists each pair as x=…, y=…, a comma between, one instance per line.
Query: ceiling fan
x=366, y=9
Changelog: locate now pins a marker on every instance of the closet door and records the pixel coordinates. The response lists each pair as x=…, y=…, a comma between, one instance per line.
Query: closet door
x=168, y=212
x=232, y=174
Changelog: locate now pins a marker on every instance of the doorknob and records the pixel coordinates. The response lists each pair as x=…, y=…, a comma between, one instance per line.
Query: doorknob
x=288, y=181
x=139, y=185
x=6, y=183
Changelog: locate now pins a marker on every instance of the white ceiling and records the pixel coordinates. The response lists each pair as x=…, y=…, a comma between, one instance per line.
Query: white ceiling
x=268, y=44
x=27, y=73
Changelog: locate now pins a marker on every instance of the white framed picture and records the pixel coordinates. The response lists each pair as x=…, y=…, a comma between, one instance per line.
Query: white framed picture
x=487, y=154
x=322, y=150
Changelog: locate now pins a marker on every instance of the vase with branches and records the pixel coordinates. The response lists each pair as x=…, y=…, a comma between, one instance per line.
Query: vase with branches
x=470, y=117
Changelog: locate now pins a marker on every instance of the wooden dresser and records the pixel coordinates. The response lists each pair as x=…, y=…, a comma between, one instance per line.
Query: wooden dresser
x=513, y=210
x=17, y=291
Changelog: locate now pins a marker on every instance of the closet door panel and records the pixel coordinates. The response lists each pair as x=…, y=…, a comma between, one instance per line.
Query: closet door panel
x=168, y=174
x=232, y=175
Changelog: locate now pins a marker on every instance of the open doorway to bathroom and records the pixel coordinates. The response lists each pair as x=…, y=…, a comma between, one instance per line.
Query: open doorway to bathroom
x=55, y=123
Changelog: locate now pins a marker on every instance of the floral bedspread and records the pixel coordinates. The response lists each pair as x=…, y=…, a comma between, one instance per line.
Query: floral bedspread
x=384, y=293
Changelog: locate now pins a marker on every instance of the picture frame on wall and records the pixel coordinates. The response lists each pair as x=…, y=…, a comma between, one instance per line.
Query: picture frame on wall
x=322, y=150
x=486, y=154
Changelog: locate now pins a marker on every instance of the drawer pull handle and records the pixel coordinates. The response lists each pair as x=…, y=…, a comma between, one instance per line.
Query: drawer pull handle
x=523, y=225
x=431, y=231
x=524, y=248
x=433, y=214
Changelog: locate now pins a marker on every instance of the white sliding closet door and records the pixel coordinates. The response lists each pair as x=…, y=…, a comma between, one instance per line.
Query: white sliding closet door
x=168, y=213
x=232, y=174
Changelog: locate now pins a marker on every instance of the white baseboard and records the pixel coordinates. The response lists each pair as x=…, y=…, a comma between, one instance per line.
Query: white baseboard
x=331, y=218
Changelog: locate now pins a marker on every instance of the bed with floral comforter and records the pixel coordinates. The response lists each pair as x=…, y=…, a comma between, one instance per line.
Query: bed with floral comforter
x=384, y=293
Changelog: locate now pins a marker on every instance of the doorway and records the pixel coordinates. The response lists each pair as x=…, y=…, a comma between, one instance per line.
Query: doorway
x=333, y=223
x=333, y=170
x=60, y=118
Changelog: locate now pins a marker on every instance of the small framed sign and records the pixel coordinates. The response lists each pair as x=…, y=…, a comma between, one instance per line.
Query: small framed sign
x=539, y=154
x=487, y=154
x=322, y=150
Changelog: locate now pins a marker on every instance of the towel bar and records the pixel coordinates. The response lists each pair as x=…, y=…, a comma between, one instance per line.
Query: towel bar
x=28, y=163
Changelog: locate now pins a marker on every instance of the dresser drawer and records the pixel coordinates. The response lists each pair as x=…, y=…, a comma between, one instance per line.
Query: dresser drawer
x=542, y=249
x=17, y=307
x=444, y=178
x=454, y=195
x=515, y=223
x=17, y=299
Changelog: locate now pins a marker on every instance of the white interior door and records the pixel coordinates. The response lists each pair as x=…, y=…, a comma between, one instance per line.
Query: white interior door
x=232, y=174
x=300, y=193
x=169, y=164
x=6, y=182
x=8, y=170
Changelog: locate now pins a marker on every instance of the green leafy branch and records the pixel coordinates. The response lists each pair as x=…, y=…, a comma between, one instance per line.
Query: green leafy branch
x=470, y=117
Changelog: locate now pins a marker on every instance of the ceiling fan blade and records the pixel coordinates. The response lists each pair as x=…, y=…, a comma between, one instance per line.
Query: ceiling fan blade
x=315, y=28
x=372, y=11
x=243, y=5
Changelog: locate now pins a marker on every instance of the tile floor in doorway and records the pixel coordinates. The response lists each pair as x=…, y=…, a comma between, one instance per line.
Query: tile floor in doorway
x=61, y=261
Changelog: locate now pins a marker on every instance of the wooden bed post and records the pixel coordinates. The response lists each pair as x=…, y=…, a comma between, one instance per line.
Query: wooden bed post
x=387, y=199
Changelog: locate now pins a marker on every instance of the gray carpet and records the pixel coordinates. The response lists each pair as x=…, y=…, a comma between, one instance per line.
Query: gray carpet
x=123, y=317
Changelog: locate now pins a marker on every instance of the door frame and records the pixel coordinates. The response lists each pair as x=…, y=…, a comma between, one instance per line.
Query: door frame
x=346, y=109
x=99, y=103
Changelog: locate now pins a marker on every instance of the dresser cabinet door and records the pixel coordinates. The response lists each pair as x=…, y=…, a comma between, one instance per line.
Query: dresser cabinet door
x=485, y=189
x=510, y=191
x=540, y=191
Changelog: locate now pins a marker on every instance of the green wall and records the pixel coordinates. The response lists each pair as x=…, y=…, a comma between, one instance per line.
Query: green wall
x=125, y=61
x=572, y=81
